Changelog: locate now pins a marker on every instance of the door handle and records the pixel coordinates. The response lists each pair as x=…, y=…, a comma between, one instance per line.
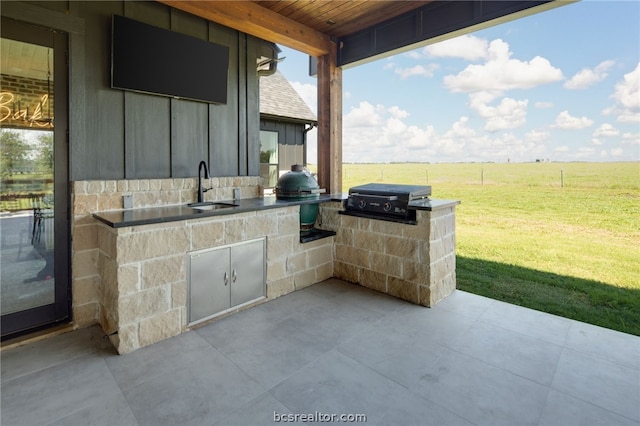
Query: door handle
x=226, y=278
x=234, y=276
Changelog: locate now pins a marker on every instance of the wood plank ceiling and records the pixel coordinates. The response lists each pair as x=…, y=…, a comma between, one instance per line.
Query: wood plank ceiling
x=338, y=18
x=363, y=28
x=305, y=25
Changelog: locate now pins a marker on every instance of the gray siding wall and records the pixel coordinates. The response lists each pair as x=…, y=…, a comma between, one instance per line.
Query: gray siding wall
x=291, y=149
x=115, y=134
x=288, y=133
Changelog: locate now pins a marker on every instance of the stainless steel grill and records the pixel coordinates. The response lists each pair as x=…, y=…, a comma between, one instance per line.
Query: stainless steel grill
x=385, y=201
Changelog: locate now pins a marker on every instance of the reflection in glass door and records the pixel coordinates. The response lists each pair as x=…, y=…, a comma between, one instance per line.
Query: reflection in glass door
x=32, y=294
x=26, y=221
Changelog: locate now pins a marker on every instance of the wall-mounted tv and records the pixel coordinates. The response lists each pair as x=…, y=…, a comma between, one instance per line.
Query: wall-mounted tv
x=149, y=59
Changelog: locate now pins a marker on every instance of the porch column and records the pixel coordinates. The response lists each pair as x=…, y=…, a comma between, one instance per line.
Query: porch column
x=330, y=122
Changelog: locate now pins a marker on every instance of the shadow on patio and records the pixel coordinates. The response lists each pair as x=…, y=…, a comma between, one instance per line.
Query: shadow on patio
x=580, y=299
x=337, y=348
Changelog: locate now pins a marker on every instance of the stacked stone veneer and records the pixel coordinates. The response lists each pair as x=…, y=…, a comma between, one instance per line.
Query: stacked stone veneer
x=132, y=280
x=412, y=262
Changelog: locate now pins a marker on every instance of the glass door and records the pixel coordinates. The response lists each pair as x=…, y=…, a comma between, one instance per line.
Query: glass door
x=34, y=271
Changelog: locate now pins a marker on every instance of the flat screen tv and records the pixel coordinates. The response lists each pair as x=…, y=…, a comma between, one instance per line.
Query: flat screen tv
x=153, y=60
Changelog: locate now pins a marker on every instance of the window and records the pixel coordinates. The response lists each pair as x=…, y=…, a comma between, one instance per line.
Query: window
x=269, y=158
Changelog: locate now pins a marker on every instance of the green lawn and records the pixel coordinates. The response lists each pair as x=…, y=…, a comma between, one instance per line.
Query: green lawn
x=18, y=191
x=558, y=237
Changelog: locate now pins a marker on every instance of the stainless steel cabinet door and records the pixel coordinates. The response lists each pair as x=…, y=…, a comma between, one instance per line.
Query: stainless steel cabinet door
x=209, y=283
x=247, y=271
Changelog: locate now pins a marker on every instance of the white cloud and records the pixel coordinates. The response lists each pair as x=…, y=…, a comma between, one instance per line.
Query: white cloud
x=508, y=114
x=585, y=153
x=308, y=93
x=537, y=136
x=596, y=142
x=616, y=152
x=565, y=121
x=397, y=112
x=502, y=73
x=459, y=129
x=587, y=77
x=418, y=70
x=487, y=82
x=631, y=141
x=627, y=98
x=312, y=146
x=562, y=148
x=543, y=105
x=467, y=47
x=364, y=115
x=631, y=138
x=504, y=147
x=606, y=130
x=628, y=90
x=376, y=133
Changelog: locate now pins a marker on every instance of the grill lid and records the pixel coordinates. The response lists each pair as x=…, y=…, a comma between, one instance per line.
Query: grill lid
x=402, y=192
x=385, y=201
x=297, y=183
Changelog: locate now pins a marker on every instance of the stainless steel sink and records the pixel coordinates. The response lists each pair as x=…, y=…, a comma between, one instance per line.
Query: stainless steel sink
x=211, y=205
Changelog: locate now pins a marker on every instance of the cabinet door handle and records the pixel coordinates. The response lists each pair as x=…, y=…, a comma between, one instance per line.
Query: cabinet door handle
x=234, y=276
x=226, y=278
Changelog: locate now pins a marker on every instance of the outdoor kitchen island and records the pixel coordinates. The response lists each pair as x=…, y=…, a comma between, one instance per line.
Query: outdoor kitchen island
x=413, y=260
x=143, y=257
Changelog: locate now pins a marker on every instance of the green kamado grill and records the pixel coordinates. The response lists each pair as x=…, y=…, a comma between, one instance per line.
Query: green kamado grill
x=299, y=184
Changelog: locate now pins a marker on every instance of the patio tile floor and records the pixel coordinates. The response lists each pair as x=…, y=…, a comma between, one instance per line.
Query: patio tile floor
x=337, y=348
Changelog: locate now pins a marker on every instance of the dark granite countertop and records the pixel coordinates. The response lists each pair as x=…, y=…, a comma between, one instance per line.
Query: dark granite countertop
x=149, y=215
x=431, y=205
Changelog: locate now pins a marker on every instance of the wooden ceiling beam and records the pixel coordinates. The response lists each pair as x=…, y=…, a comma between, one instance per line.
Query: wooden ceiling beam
x=258, y=21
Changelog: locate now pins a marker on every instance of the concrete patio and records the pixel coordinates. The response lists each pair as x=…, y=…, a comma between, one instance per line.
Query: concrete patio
x=335, y=348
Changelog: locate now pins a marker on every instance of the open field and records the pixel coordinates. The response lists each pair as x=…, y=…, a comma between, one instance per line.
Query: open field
x=558, y=237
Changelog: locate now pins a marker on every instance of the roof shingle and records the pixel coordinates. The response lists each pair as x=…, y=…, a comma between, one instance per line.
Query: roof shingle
x=278, y=98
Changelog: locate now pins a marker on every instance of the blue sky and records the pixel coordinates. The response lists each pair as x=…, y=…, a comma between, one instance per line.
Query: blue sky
x=561, y=85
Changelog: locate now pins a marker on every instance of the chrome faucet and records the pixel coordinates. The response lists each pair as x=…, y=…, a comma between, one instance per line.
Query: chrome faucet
x=202, y=190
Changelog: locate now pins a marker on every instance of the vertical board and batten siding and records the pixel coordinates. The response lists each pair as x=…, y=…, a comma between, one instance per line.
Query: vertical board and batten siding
x=147, y=118
x=291, y=149
x=289, y=155
x=288, y=133
x=242, y=105
x=189, y=120
x=252, y=108
x=96, y=145
x=117, y=134
x=223, y=123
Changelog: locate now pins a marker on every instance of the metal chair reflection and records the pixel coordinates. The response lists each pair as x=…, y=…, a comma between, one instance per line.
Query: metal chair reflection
x=42, y=221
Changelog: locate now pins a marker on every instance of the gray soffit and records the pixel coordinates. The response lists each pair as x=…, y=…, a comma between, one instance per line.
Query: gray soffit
x=435, y=21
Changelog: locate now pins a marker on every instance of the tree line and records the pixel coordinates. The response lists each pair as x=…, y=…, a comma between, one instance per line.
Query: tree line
x=18, y=156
